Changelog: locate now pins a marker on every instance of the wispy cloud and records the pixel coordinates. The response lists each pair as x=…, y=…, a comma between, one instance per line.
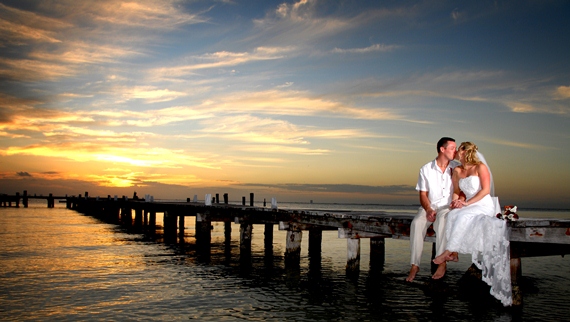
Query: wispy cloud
x=369, y=49
x=523, y=145
x=562, y=92
x=220, y=60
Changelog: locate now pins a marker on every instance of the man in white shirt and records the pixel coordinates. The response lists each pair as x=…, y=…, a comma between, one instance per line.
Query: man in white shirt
x=436, y=191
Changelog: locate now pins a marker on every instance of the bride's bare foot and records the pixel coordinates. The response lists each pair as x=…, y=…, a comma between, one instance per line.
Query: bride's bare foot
x=440, y=272
x=453, y=257
x=413, y=271
x=442, y=258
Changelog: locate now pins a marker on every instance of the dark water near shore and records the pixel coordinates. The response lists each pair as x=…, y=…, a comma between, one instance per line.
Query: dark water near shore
x=57, y=264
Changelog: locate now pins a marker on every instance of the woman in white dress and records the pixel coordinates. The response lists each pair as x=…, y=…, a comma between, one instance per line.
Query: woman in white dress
x=472, y=226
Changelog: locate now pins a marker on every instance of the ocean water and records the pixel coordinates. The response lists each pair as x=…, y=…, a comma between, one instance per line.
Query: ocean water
x=59, y=265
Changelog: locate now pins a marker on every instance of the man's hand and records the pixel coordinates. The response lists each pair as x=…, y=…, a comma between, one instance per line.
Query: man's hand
x=430, y=215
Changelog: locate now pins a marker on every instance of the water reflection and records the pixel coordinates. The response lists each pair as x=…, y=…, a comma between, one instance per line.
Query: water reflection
x=60, y=265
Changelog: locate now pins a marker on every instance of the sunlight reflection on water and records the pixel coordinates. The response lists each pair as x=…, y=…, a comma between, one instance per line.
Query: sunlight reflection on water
x=57, y=264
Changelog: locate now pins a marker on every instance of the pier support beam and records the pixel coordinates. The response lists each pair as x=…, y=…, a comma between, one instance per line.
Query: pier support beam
x=377, y=253
x=227, y=232
x=293, y=245
x=138, y=218
x=152, y=219
x=169, y=221
x=268, y=239
x=516, y=274
x=315, y=242
x=25, y=199
x=203, y=230
x=126, y=216
x=353, y=255
x=245, y=234
x=181, y=224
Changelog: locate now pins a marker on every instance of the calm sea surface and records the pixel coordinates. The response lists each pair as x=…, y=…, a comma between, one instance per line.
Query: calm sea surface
x=60, y=265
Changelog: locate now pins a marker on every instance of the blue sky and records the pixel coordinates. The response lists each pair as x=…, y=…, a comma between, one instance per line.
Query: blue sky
x=335, y=101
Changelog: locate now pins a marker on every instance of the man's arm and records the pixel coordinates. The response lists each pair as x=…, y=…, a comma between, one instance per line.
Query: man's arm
x=426, y=204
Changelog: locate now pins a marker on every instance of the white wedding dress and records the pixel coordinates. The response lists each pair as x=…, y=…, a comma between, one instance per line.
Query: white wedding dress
x=475, y=230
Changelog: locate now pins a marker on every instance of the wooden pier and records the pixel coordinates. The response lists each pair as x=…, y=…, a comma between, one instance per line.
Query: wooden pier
x=529, y=237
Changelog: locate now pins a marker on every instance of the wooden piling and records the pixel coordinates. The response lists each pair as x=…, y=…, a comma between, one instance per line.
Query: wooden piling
x=268, y=239
x=50, y=201
x=245, y=235
x=203, y=229
x=377, y=253
x=293, y=244
x=25, y=199
x=138, y=217
x=315, y=241
x=353, y=255
x=181, y=226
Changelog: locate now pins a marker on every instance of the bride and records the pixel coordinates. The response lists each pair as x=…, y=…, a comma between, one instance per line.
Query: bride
x=472, y=226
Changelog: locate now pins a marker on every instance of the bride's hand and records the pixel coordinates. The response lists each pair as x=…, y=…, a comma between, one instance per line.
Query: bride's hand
x=457, y=204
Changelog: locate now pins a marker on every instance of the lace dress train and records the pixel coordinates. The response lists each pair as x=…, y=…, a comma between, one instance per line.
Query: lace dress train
x=475, y=230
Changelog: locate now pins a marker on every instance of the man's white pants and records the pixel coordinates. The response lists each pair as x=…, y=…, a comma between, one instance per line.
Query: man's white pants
x=418, y=230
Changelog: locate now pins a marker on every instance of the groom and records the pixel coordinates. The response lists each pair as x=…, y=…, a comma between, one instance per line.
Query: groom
x=436, y=191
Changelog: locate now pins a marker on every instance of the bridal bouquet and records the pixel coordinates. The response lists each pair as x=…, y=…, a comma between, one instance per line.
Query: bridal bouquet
x=510, y=214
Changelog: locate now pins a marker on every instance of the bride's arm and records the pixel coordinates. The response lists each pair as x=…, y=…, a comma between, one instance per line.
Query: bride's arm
x=485, y=179
x=455, y=200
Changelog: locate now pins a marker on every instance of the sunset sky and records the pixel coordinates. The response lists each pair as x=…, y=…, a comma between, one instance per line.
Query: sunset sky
x=334, y=101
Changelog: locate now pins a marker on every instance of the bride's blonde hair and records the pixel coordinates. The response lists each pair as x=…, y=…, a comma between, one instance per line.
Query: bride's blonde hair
x=470, y=152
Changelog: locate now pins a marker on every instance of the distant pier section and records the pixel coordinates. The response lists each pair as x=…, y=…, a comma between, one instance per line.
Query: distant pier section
x=529, y=237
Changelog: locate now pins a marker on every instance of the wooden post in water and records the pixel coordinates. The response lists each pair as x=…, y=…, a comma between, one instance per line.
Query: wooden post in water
x=245, y=233
x=203, y=229
x=353, y=255
x=315, y=250
x=126, y=216
x=17, y=200
x=169, y=221
x=50, y=201
x=138, y=217
x=152, y=219
x=516, y=273
x=315, y=242
x=251, y=199
x=293, y=245
x=181, y=220
x=268, y=239
x=377, y=253
x=25, y=199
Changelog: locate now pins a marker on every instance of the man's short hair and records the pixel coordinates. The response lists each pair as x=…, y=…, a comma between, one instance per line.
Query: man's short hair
x=443, y=142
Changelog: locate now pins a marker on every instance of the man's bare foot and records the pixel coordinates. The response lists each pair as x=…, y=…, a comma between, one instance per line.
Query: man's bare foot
x=442, y=258
x=413, y=271
x=440, y=272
